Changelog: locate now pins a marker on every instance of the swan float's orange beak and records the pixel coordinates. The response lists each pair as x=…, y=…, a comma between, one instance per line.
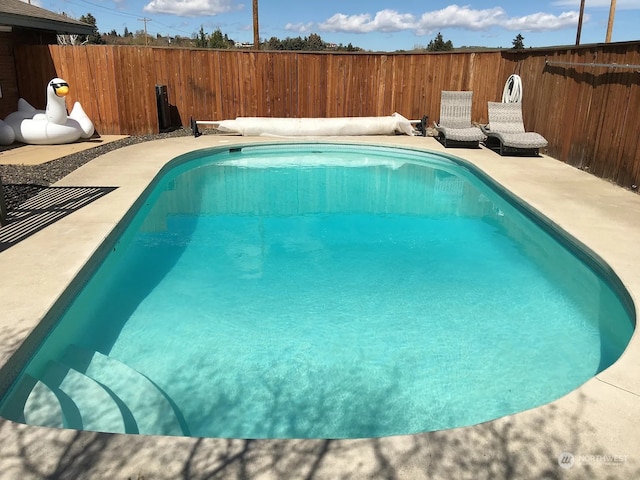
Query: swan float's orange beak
x=61, y=89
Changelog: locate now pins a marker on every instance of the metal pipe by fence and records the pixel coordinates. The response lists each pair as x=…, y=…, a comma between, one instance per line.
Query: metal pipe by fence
x=601, y=65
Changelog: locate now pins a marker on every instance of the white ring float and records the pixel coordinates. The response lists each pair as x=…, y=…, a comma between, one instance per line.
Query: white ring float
x=512, y=92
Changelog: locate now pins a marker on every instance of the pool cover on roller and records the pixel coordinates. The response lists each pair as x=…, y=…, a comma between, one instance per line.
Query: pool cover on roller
x=255, y=126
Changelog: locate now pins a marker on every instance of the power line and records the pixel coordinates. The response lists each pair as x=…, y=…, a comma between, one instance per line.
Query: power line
x=125, y=14
x=110, y=10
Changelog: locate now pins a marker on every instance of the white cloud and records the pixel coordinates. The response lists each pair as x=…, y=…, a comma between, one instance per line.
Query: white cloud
x=384, y=21
x=453, y=16
x=191, y=8
x=392, y=21
x=620, y=4
x=542, y=22
x=467, y=18
x=299, y=27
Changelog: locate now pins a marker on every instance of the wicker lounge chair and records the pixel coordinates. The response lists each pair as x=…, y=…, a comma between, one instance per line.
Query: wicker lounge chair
x=505, y=131
x=455, y=128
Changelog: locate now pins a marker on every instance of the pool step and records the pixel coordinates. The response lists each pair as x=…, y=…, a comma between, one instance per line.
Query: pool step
x=33, y=403
x=152, y=411
x=108, y=396
x=85, y=404
x=43, y=407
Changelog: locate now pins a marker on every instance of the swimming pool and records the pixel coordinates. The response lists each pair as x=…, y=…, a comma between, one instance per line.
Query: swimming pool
x=378, y=299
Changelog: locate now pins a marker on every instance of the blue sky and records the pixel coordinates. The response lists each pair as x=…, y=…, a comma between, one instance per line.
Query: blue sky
x=372, y=24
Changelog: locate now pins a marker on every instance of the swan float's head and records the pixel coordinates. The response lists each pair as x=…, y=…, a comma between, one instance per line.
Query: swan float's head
x=59, y=86
x=56, y=111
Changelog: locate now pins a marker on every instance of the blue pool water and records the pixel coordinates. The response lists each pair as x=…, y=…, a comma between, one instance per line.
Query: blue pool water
x=318, y=291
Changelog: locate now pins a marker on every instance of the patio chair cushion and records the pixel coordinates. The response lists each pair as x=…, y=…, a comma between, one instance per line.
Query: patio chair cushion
x=468, y=134
x=519, y=140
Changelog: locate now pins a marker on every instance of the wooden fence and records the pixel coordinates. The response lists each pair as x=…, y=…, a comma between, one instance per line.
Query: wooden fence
x=589, y=114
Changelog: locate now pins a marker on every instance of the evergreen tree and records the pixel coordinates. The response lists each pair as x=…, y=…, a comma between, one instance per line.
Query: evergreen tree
x=518, y=42
x=439, y=45
x=201, y=40
x=274, y=43
x=314, y=43
x=293, y=43
x=216, y=40
x=348, y=48
x=95, y=38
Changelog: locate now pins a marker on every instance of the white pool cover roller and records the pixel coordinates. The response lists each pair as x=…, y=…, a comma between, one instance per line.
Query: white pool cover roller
x=295, y=127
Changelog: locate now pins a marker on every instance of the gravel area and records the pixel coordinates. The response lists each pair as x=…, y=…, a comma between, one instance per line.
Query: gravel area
x=22, y=182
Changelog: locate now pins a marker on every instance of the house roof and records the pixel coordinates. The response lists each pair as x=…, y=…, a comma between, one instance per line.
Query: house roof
x=15, y=13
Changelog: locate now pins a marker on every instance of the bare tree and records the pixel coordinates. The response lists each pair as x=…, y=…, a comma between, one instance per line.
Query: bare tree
x=70, y=40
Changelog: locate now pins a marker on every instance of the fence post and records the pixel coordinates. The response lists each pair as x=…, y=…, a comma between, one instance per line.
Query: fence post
x=3, y=206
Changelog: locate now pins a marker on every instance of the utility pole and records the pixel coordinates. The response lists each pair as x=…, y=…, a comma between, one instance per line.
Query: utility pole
x=256, y=30
x=146, y=37
x=612, y=13
x=580, y=22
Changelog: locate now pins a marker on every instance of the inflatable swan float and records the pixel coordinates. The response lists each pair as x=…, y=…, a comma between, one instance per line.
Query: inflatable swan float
x=52, y=126
x=7, y=135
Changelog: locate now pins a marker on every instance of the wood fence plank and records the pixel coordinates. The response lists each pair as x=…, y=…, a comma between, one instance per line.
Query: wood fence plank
x=589, y=115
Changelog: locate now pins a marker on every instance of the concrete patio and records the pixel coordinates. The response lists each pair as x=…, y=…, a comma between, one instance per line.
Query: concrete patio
x=593, y=432
x=21, y=154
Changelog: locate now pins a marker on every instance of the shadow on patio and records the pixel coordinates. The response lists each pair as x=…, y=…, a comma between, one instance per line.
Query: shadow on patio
x=45, y=208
